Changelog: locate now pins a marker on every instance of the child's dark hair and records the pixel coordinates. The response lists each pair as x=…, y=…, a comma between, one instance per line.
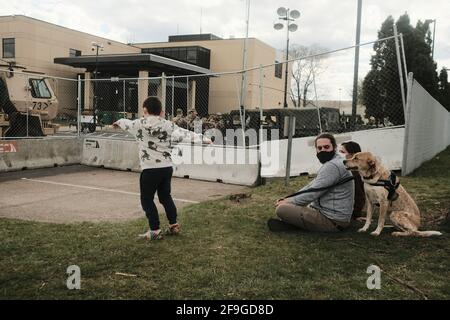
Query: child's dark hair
x=351, y=147
x=326, y=136
x=153, y=105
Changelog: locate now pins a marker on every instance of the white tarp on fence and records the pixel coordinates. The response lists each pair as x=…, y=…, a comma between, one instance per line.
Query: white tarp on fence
x=427, y=129
x=385, y=143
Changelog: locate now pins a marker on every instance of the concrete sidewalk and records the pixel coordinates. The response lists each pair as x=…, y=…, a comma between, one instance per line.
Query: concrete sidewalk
x=79, y=193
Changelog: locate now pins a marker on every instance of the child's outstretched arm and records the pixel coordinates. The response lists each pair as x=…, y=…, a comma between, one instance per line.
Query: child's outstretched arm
x=178, y=134
x=128, y=125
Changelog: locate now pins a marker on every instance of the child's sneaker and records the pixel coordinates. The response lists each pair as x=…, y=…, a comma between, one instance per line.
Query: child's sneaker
x=152, y=235
x=173, y=230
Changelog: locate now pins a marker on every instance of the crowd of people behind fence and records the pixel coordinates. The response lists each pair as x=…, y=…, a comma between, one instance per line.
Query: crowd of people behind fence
x=192, y=120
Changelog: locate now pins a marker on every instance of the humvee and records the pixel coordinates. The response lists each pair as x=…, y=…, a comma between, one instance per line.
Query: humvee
x=27, y=103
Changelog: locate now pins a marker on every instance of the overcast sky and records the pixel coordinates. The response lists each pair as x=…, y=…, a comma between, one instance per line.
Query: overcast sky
x=328, y=23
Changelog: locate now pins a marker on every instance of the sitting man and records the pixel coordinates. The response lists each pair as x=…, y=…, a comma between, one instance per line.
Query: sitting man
x=330, y=208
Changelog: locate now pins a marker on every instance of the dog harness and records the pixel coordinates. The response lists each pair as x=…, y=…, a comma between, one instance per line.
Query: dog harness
x=390, y=185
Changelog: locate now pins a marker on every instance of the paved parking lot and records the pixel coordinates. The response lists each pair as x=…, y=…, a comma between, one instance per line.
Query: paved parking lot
x=79, y=193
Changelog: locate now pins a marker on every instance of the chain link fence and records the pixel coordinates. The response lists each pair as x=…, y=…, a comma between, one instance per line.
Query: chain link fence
x=318, y=93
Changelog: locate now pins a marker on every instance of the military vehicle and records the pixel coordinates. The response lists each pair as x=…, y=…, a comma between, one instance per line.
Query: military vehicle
x=306, y=120
x=359, y=124
x=27, y=103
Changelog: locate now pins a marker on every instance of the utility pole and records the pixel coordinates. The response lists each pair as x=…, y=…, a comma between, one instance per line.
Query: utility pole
x=355, y=78
x=243, y=95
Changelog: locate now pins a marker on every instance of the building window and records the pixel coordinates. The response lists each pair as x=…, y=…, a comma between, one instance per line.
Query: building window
x=192, y=56
x=9, y=48
x=278, y=70
x=74, y=53
x=183, y=54
x=39, y=89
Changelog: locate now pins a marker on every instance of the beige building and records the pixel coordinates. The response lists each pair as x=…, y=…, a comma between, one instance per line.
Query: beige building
x=38, y=42
x=58, y=51
x=227, y=56
x=34, y=44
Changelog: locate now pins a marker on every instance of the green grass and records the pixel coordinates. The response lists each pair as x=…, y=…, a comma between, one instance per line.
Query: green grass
x=226, y=252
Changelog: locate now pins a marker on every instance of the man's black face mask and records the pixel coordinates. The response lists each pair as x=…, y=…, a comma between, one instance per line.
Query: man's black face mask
x=325, y=156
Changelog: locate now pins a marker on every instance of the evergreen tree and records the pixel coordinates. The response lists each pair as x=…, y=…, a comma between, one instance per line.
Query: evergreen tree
x=444, y=89
x=381, y=86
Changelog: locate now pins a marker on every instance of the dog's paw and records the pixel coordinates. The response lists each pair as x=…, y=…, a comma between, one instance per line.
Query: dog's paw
x=376, y=233
x=362, y=230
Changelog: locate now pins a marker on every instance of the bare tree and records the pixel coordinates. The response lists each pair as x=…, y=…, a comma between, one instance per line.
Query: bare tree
x=310, y=64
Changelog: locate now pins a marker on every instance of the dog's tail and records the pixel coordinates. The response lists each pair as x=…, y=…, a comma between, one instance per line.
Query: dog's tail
x=427, y=233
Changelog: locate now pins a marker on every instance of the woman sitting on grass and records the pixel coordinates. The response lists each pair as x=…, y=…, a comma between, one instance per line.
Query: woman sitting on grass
x=348, y=150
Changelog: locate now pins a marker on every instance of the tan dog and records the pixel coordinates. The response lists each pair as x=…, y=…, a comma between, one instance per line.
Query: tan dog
x=404, y=213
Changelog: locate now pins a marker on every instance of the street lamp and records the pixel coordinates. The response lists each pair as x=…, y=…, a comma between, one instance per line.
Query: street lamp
x=434, y=34
x=288, y=16
x=96, y=47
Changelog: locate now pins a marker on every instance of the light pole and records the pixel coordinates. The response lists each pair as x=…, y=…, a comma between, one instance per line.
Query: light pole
x=96, y=47
x=434, y=35
x=340, y=89
x=288, y=16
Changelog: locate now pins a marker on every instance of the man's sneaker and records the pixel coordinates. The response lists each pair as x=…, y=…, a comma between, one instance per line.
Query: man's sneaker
x=173, y=230
x=152, y=235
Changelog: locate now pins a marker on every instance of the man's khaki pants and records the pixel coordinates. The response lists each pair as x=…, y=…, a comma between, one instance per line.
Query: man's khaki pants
x=307, y=218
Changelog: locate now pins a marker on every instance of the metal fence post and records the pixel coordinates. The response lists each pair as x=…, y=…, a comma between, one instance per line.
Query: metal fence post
x=407, y=125
x=404, y=60
x=79, y=107
x=173, y=97
x=187, y=95
x=289, y=150
x=261, y=97
x=28, y=105
x=400, y=68
x=317, y=103
x=164, y=92
x=124, y=100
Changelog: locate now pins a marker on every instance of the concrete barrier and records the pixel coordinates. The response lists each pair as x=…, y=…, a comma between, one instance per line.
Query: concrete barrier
x=38, y=153
x=385, y=143
x=210, y=163
x=218, y=163
x=112, y=154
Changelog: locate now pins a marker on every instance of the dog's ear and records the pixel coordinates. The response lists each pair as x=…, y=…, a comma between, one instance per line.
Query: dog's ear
x=372, y=165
